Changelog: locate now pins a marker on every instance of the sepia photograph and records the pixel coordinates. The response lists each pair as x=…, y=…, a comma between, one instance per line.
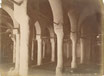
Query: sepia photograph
x=51, y=37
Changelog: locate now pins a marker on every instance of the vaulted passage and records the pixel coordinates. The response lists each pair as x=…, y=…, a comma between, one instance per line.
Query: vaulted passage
x=51, y=37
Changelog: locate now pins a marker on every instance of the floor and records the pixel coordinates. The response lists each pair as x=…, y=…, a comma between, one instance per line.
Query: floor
x=48, y=69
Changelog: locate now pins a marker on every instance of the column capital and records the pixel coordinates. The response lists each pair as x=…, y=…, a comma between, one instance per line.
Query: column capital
x=38, y=36
x=59, y=32
x=15, y=31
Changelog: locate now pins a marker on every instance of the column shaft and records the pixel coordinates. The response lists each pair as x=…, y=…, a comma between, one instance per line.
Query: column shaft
x=32, y=51
x=24, y=48
x=82, y=51
x=68, y=50
x=14, y=49
x=17, y=63
x=44, y=49
x=20, y=14
x=74, y=37
x=53, y=49
x=57, y=11
x=59, y=67
x=39, y=51
x=74, y=48
x=59, y=52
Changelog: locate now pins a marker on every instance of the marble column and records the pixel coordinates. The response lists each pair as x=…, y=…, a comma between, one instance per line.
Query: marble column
x=57, y=10
x=44, y=48
x=68, y=50
x=20, y=14
x=24, y=48
x=32, y=50
x=60, y=51
x=82, y=42
x=74, y=38
x=33, y=44
x=17, y=49
x=39, y=43
x=14, y=48
x=39, y=51
x=74, y=48
x=59, y=67
x=17, y=52
x=53, y=49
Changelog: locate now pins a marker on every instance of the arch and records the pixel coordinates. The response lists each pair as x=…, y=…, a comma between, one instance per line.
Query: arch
x=87, y=12
x=10, y=12
x=5, y=32
x=6, y=20
x=6, y=24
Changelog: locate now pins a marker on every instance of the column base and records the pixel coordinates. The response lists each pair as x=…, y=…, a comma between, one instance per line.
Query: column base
x=73, y=64
x=13, y=72
x=23, y=74
x=81, y=62
x=39, y=64
x=59, y=71
x=53, y=60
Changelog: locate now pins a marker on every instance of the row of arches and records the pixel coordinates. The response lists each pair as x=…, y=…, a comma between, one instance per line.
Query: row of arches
x=22, y=32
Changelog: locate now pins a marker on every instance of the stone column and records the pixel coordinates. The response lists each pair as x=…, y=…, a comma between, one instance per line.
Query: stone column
x=32, y=51
x=59, y=67
x=60, y=50
x=14, y=48
x=39, y=51
x=39, y=43
x=74, y=48
x=53, y=49
x=24, y=47
x=17, y=52
x=82, y=50
x=17, y=49
x=57, y=10
x=68, y=51
x=33, y=43
x=20, y=14
x=74, y=37
x=44, y=48
x=82, y=46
